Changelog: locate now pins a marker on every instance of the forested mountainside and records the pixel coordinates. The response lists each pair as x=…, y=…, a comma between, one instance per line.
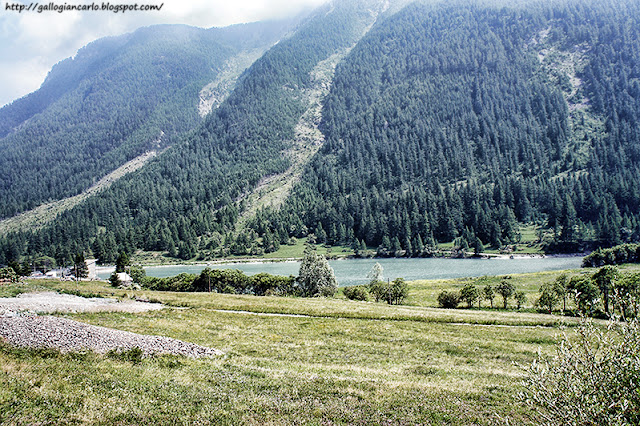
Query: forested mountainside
x=189, y=191
x=443, y=122
x=118, y=98
x=461, y=122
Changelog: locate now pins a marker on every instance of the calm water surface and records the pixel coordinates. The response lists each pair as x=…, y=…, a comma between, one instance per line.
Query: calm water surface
x=354, y=271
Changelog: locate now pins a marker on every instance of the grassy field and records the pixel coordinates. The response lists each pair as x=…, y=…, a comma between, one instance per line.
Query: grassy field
x=336, y=362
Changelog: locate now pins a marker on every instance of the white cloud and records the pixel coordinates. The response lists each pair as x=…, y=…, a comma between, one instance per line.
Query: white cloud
x=33, y=42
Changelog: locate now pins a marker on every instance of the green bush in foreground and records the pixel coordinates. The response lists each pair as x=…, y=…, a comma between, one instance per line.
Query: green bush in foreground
x=594, y=380
x=356, y=292
x=394, y=292
x=448, y=299
x=8, y=274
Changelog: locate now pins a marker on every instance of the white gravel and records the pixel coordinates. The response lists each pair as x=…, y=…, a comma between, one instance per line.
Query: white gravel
x=69, y=336
x=50, y=302
x=20, y=325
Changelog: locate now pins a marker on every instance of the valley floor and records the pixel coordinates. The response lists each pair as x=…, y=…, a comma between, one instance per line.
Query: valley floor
x=321, y=361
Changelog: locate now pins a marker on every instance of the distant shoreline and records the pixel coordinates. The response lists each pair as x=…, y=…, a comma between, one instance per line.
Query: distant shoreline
x=109, y=268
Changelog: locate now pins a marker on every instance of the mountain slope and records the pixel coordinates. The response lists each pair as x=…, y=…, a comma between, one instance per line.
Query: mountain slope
x=118, y=98
x=443, y=124
x=188, y=191
x=440, y=122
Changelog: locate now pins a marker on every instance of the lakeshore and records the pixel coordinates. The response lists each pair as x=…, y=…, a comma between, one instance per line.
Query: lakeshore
x=354, y=271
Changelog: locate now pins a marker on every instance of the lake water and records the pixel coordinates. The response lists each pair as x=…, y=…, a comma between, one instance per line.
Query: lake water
x=354, y=271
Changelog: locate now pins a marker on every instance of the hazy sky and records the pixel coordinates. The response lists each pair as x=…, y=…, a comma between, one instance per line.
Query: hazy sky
x=33, y=42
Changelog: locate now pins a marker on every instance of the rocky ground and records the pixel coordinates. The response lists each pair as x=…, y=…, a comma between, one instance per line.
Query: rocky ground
x=20, y=325
x=50, y=302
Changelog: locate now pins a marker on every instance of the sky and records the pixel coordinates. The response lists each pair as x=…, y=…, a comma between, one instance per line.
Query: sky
x=33, y=41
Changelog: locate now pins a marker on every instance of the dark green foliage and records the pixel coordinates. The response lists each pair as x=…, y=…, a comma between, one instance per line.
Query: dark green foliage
x=356, y=292
x=180, y=282
x=378, y=289
x=506, y=290
x=226, y=281
x=441, y=125
x=264, y=284
x=137, y=273
x=114, y=280
x=22, y=270
x=488, y=293
x=604, y=279
x=548, y=297
x=394, y=292
x=623, y=253
x=469, y=294
x=222, y=281
x=8, y=274
x=122, y=262
x=182, y=202
x=117, y=98
x=399, y=291
x=448, y=299
x=521, y=299
x=436, y=134
x=80, y=268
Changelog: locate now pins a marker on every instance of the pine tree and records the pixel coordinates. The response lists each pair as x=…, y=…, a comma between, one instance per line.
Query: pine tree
x=80, y=268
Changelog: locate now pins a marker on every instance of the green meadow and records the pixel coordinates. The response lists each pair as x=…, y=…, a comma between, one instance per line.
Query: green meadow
x=290, y=361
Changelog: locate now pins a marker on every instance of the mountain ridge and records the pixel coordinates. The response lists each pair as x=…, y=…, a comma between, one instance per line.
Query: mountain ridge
x=441, y=124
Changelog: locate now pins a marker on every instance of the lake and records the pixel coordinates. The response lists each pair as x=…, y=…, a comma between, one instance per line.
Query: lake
x=354, y=271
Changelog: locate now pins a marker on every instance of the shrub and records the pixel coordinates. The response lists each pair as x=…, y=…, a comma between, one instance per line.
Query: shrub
x=448, y=299
x=506, y=290
x=180, y=282
x=356, y=292
x=393, y=293
x=469, y=294
x=592, y=380
x=399, y=291
x=8, y=274
x=521, y=299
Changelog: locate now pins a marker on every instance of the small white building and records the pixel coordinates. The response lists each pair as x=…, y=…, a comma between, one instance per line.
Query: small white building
x=91, y=266
x=125, y=279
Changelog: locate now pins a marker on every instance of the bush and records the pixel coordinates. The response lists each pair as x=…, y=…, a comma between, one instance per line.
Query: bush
x=8, y=274
x=263, y=284
x=448, y=299
x=399, y=291
x=180, y=282
x=594, y=380
x=356, y=292
x=393, y=293
x=316, y=277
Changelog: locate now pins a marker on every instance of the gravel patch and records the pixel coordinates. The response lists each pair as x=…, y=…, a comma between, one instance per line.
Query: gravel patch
x=50, y=302
x=69, y=336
